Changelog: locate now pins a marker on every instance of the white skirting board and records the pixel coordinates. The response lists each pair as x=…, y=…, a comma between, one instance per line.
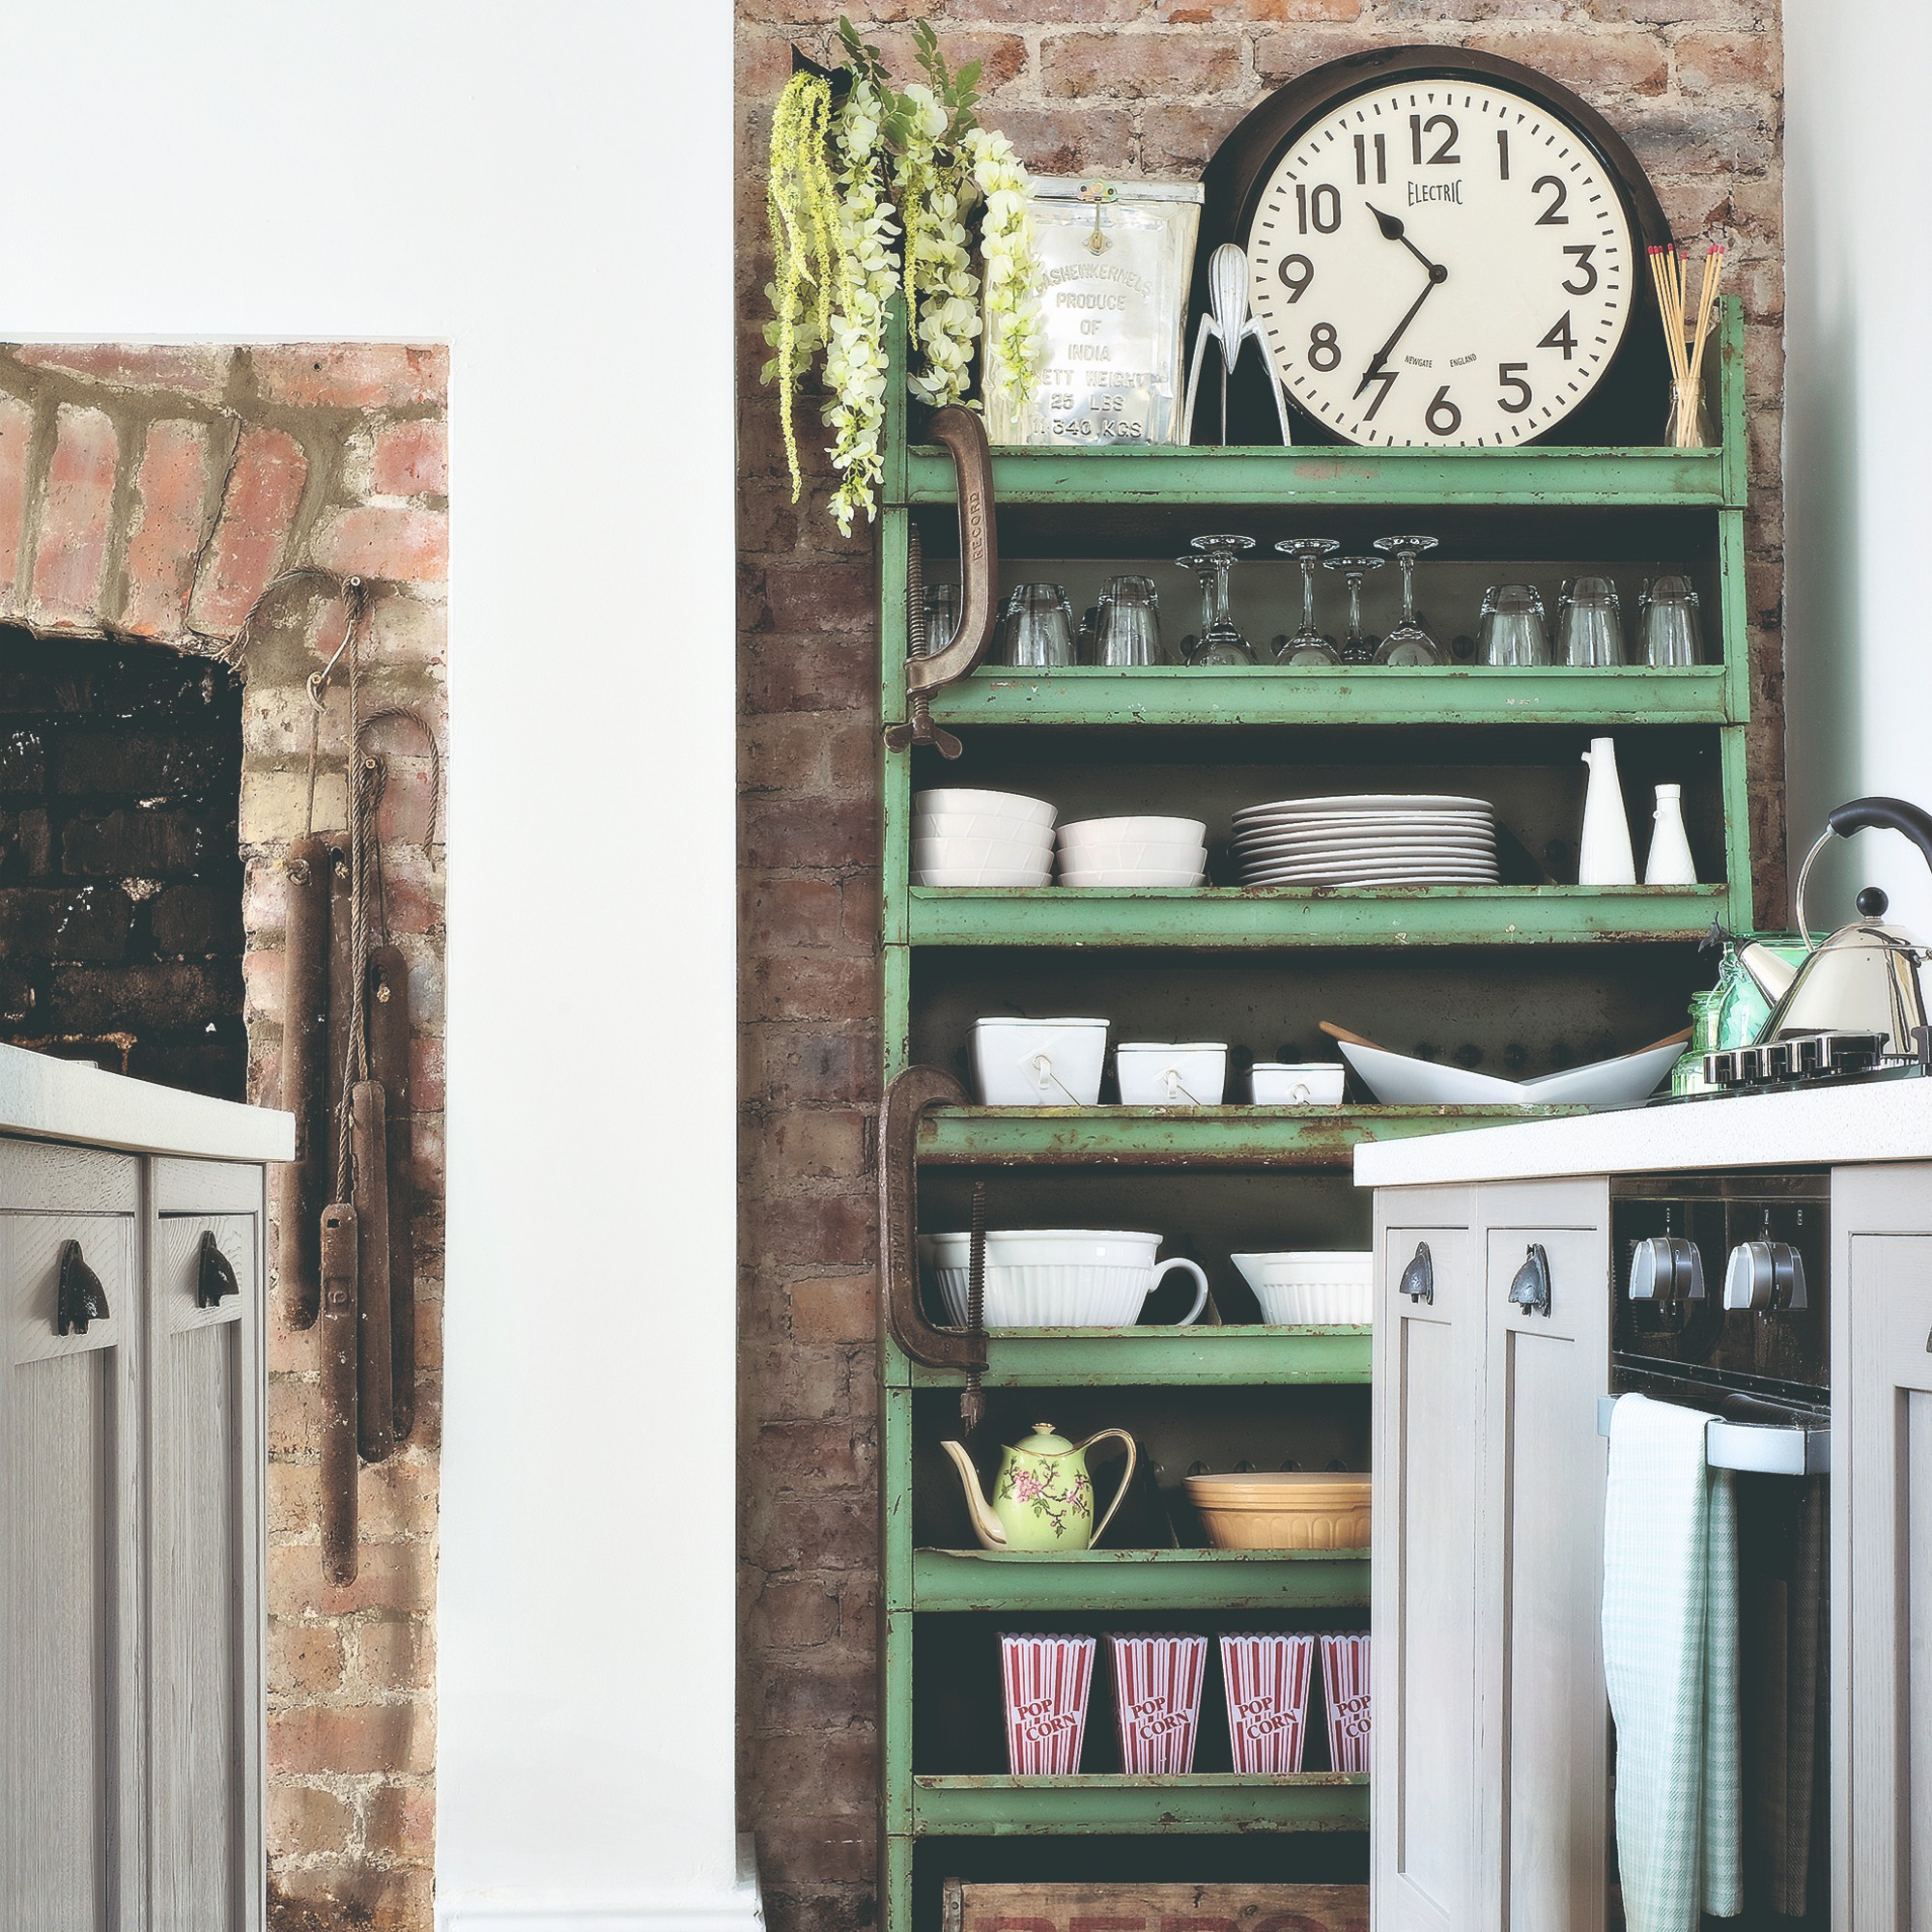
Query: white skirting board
x=741, y=1909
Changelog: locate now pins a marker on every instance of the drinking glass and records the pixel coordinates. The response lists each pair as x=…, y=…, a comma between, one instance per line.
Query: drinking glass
x=1668, y=623
x=1356, y=648
x=1590, y=622
x=1128, y=630
x=1213, y=562
x=1409, y=643
x=942, y=616
x=1039, y=627
x=1307, y=645
x=1510, y=630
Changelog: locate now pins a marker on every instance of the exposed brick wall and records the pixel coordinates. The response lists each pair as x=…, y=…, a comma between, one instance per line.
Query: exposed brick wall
x=1116, y=86
x=148, y=495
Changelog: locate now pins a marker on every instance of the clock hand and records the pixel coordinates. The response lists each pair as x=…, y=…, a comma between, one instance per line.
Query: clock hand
x=1394, y=230
x=1381, y=355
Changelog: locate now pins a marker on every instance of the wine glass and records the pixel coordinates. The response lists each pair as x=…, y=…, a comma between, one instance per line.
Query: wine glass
x=1409, y=643
x=1214, y=561
x=1307, y=645
x=1127, y=628
x=1039, y=628
x=1356, y=649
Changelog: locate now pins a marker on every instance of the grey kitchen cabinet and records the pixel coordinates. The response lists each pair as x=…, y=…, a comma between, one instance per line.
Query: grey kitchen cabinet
x=1489, y=1780
x=1882, y=1548
x=132, y=1543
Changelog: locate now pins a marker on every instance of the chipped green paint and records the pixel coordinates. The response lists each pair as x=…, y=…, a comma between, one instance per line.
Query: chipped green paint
x=1206, y=1801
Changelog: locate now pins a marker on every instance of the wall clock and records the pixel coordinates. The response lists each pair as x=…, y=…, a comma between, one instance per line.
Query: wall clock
x=1446, y=250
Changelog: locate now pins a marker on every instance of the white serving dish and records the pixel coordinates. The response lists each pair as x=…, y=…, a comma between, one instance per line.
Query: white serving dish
x=1299, y=1266
x=1314, y=1083
x=1150, y=880
x=1058, y=1277
x=979, y=824
x=1086, y=831
x=1401, y=1081
x=1131, y=857
x=1153, y=1074
x=1311, y=1303
x=980, y=852
x=1426, y=802
x=1038, y=1063
x=994, y=803
x=981, y=877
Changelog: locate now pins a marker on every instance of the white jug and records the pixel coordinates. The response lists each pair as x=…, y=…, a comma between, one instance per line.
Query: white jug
x=1669, y=863
x=1606, y=857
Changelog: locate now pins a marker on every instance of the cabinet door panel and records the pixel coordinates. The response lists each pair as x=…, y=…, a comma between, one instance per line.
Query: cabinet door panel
x=69, y=1818
x=1428, y=1384
x=204, y=1750
x=1541, y=1562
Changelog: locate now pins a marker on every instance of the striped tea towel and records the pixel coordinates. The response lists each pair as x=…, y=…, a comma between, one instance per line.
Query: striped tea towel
x=1670, y=1660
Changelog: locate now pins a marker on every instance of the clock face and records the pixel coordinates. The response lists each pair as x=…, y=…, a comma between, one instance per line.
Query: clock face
x=1441, y=262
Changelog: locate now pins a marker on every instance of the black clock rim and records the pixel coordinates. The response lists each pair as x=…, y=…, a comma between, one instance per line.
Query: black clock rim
x=1246, y=159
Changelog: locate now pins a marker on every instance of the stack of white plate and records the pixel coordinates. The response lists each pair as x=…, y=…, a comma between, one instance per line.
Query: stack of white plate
x=1299, y=1287
x=964, y=838
x=1134, y=852
x=1377, y=838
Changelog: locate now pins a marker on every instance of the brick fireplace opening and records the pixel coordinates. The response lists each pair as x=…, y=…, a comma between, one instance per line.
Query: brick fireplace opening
x=120, y=859
x=177, y=525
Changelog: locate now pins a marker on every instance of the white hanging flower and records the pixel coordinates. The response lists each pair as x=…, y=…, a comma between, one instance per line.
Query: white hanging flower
x=1012, y=268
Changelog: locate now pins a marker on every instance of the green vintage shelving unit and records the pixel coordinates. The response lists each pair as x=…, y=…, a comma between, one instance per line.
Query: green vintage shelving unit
x=1520, y=972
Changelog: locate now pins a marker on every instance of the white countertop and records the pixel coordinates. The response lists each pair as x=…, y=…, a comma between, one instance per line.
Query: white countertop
x=53, y=1099
x=1821, y=1126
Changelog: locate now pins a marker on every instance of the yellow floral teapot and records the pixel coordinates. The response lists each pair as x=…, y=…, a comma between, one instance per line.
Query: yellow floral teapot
x=1042, y=1497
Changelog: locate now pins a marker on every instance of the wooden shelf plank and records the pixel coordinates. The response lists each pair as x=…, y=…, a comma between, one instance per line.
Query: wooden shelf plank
x=1232, y=1356
x=1138, y=1580
x=1226, y=917
x=1189, y=694
x=1313, y=1137
x=1209, y=1801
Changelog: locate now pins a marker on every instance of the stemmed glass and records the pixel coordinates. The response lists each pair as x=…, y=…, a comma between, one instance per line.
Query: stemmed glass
x=1356, y=649
x=1212, y=563
x=1307, y=645
x=1409, y=643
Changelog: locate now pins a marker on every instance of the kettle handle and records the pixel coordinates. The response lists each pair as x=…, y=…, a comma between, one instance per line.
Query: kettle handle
x=1863, y=815
x=1126, y=1477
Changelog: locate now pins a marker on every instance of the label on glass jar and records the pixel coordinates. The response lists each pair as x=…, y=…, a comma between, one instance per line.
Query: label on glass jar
x=1114, y=273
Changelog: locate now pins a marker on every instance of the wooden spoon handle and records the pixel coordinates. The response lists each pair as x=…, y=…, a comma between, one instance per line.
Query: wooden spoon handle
x=1335, y=1032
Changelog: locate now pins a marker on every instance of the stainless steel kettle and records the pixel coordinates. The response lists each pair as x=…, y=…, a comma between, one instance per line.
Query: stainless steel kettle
x=1865, y=977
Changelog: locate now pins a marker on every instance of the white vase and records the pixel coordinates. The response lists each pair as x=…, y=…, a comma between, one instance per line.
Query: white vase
x=1606, y=857
x=1670, y=863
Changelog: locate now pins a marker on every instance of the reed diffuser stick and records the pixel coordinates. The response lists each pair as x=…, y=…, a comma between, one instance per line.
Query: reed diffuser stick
x=1714, y=273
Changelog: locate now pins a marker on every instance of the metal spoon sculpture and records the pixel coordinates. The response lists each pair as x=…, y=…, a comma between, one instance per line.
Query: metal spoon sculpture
x=1229, y=324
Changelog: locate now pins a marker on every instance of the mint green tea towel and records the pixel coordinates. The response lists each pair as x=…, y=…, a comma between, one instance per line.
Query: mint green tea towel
x=1671, y=1662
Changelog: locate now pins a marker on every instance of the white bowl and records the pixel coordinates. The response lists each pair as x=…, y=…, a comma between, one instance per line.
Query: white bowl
x=1314, y=1083
x=950, y=851
x=979, y=824
x=1155, y=1075
x=1326, y=1303
x=1288, y=1267
x=1102, y=1247
x=1087, y=832
x=1038, y=1063
x=1148, y=880
x=1057, y=1278
x=982, y=878
x=1009, y=804
x=1129, y=856
x=1401, y=1081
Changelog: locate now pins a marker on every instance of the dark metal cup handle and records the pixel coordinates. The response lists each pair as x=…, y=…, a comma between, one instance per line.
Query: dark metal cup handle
x=1530, y=1290
x=1418, y=1278
x=78, y=1297
x=213, y=1274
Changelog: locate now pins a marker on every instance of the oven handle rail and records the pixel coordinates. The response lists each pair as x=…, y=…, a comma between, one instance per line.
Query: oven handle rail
x=1763, y=1449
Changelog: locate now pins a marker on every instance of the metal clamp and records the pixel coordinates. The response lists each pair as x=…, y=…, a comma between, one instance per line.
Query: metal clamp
x=905, y=1102
x=214, y=1273
x=1418, y=1278
x=963, y=437
x=78, y=1297
x=1530, y=1290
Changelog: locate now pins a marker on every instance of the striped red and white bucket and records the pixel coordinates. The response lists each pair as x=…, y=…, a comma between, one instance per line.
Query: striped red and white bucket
x=1158, y=1699
x=1344, y=1686
x=1046, y=1680
x=1266, y=1679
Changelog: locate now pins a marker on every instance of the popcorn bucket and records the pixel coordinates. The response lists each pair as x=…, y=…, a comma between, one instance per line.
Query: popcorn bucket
x=1046, y=1680
x=1266, y=1680
x=1158, y=1699
x=1345, y=1687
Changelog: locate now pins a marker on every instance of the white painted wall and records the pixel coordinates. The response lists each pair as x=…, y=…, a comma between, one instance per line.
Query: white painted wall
x=547, y=188
x=1858, y=426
